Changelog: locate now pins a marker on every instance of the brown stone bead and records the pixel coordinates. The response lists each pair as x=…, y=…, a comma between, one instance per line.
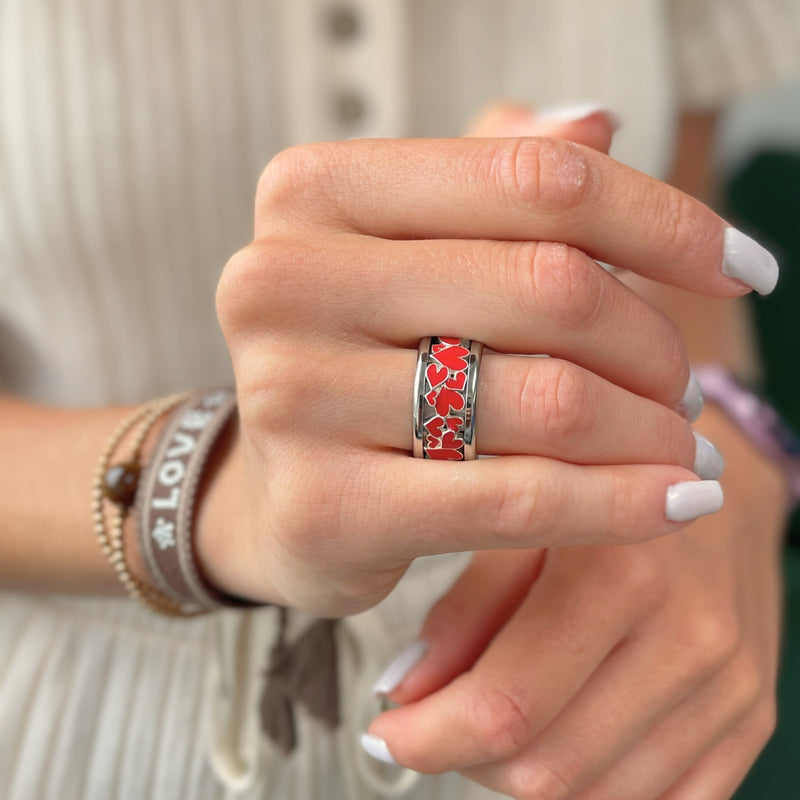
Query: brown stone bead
x=120, y=483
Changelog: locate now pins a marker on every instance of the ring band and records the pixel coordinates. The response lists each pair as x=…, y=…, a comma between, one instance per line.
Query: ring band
x=445, y=391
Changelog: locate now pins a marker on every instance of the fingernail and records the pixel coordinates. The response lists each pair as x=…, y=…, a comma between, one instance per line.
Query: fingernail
x=377, y=748
x=692, y=499
x=400, y=666
x=708, y=461
x=573, y=112
x=747, y=261
x=691, y=403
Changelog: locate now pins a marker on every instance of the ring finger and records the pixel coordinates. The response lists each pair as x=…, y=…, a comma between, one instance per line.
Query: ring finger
x=525, y=406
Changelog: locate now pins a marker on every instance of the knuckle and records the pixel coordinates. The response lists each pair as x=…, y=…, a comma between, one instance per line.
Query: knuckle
x=497, y=721
x=257, y=279
x=669, y=351
x=623, y=510
x=711, y=638
x=231, y=289
x=539, y=781
x=748, y=683
x=287, y=173
x=520, y=507
x=621, y=521
x=554, y=175
x=293, y=178
x=559, y=398
x=675, y=222
x=560, y=281
x=636, y=574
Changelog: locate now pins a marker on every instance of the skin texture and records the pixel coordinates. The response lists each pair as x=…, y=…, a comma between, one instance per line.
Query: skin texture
x=367, y=224
x=638, y=672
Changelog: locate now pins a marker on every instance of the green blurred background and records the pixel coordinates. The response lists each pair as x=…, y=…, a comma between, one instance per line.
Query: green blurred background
x=762, y=191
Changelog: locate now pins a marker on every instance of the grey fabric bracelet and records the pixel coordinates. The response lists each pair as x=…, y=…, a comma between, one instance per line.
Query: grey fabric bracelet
x=166, y=497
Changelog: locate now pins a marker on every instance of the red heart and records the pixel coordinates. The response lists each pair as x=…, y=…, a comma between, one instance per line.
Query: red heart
x=458, y=381
x=445, y=455
x=431, y=442
x=450, y=339
x=431, y=397
x=447, y=400
x=454, y=423
x=436, y=375
x=434, y=426
x=451, y=357
x=449, y=440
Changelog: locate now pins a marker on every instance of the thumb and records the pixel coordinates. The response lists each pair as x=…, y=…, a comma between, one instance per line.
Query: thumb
x=588, y=124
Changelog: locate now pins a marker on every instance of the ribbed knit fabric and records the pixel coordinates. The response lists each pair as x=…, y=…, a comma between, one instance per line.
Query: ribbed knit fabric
x=132, y=135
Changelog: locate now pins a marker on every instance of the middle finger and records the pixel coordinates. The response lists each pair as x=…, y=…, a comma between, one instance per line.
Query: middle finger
x=525, y=406
x=514, y=297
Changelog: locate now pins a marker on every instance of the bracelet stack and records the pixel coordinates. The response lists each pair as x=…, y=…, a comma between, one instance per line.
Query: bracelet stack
x=162, y=495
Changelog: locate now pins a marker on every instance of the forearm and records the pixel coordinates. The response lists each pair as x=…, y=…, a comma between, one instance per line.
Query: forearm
x=47, y=461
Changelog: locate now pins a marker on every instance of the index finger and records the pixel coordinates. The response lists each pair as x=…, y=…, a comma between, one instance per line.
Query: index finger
x=537, y=189
x=530, y=671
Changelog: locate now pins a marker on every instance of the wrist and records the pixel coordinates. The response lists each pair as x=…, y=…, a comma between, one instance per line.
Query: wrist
x=225, y=532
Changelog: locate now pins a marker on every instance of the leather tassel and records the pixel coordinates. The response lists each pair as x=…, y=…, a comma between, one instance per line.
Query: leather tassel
x=313, y=679
x=306, y=672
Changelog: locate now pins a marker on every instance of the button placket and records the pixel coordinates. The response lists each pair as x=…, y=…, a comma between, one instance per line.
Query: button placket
x=345, y=66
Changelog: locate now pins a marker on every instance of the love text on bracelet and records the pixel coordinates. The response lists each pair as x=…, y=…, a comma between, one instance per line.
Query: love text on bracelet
x=165, y=503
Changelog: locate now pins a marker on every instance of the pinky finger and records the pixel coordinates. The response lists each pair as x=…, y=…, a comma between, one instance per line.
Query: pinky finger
x=515, y=502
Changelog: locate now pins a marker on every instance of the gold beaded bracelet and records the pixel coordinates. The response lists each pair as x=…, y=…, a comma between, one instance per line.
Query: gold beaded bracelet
x=117, y=484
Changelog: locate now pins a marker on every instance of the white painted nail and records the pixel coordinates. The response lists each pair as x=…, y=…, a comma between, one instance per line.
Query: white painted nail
x=708, y=461
x=747, y=261
x=573, y=112
x=692, y=499
x=691, y=403
x=377, y=748
x=400, y=666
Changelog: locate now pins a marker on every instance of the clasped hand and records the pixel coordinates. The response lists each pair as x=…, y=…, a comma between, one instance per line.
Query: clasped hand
x=362, y=248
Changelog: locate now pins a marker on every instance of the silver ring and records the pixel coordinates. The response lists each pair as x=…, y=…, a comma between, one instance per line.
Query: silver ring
x=445, y=391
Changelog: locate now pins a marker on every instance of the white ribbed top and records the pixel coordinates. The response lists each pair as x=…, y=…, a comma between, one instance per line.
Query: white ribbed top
x=132, y=135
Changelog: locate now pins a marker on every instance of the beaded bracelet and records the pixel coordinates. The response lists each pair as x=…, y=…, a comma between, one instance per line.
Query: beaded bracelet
x=162, y=494
x=165, y=502
x=118, y=484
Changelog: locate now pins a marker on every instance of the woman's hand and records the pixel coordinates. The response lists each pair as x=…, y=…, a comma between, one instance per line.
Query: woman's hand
x=361, y=249
x=634, y=672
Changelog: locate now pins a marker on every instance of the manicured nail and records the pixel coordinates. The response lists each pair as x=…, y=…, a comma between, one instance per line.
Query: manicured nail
x=747, y=261
x=574, y=112
x=402, y=664
x=692, y=499
x=691, y=403
x=708, y=461
x=377, y=748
